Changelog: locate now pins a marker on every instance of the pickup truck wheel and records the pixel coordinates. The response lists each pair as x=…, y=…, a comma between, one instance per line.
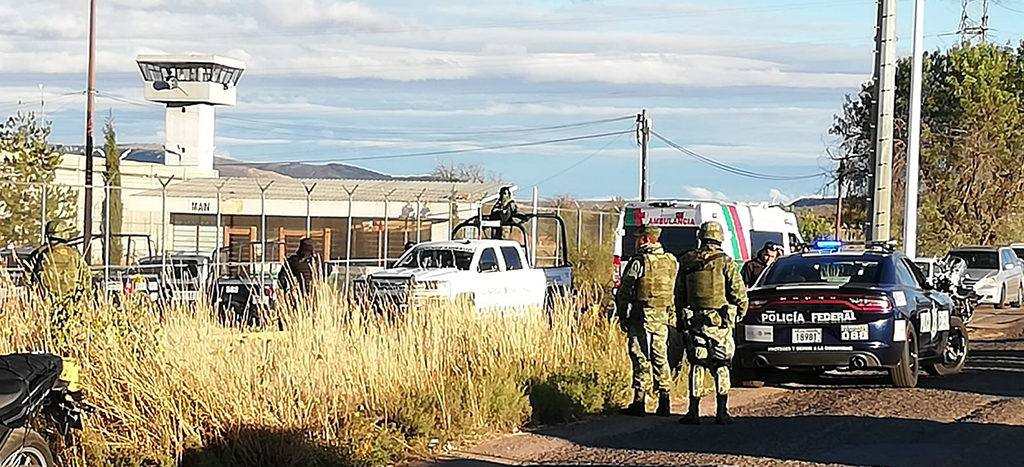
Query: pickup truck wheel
x=25, y=447
x=1002, y=298
x=955, y=355
x=904, y=375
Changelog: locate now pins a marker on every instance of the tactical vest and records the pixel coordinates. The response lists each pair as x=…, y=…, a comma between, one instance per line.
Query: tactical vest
x=657, y=286
x=61, y=270
x=705, y=281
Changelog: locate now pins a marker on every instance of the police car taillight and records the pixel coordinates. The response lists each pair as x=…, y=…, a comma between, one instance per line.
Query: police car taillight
x=757, y=306
x=617, y=271
x=871, y=303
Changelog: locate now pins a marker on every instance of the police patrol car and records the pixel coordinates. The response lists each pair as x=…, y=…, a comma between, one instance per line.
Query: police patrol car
x=846, y=309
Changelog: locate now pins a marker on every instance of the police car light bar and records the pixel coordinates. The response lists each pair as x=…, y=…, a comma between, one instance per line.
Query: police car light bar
x=828, y=245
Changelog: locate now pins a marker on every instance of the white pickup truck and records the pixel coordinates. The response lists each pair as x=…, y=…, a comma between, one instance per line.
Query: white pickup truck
x=490, y=274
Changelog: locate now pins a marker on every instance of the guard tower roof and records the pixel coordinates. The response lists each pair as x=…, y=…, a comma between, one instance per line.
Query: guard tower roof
x=192, y=59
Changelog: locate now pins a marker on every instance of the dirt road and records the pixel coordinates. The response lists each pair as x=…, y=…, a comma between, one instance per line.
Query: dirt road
x=975, y=418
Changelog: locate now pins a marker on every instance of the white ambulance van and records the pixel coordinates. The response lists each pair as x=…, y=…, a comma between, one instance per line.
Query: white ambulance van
x=747, y=226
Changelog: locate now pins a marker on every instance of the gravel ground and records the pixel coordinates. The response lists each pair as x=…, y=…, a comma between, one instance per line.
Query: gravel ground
x=973, y=418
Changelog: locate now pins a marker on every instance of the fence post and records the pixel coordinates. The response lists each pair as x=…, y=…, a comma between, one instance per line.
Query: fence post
x=309, y=196
x=419, y=228
x=387, y=218
x=42, y=218
x=600, y=227
x=452, y=207
x=163, y=221
x=106, y=236
x=533, y=229
x=558, y=243
x=579, y=226
x=263, y=232
x=348, y=240
x=220, y=227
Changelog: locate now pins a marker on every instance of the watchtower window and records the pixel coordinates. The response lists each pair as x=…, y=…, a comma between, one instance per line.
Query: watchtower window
x=191, y=72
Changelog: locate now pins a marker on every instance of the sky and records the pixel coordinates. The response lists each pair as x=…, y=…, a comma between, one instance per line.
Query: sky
x=750, y=83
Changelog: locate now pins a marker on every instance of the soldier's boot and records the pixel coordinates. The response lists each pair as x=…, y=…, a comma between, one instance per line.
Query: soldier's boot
x=638, y=407
x=664, y=404
x=722, y=415
x=692, y=416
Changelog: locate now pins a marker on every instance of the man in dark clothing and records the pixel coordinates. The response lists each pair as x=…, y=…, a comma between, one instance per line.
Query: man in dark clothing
x=298, y=269
x=765, y=257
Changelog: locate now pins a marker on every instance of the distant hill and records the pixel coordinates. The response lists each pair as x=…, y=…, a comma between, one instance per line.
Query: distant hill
x=234, y=168
x=154, y=154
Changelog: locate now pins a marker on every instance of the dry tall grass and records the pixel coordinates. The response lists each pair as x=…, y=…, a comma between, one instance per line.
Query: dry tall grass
x=339, y=386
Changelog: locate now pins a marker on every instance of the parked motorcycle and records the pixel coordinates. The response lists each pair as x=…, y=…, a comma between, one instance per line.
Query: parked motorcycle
x=949, y=279
x=31, y=385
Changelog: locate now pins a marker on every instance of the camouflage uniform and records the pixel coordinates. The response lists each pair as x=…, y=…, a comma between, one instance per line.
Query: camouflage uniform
x=60, y=272
x=711, y=297
x=644, y=304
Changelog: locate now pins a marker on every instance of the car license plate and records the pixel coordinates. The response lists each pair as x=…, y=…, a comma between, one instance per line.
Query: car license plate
x=231, y=289
x=185, y=295
x=855, y=332
x=807, y=336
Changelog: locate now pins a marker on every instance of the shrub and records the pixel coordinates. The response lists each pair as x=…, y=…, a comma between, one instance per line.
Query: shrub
x=339, y=386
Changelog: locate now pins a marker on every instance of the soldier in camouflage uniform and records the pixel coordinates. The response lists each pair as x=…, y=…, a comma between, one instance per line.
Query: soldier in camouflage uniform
x=644, y=303
x=59, y=271
x=710, y=299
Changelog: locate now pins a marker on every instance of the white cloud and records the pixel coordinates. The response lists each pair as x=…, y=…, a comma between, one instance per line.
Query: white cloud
x=777, y=196
x=233, y=141
x=704, y=193
x=352, y=16
x=347, y=39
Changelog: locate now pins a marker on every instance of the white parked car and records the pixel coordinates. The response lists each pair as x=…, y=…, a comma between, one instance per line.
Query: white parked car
x=490, y=274
x=995, y=273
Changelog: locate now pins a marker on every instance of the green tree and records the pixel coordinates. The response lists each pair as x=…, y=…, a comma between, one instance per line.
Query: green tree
x=27, y=161
x=112, y=178
x=813, y=226
x=972, y=147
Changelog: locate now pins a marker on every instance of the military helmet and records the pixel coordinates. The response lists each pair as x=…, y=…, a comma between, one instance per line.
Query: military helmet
x=58, y=228
x=711, y=231
x=650, y=231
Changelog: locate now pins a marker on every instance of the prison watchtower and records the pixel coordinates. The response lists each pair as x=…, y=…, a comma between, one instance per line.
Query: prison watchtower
x=190, y=86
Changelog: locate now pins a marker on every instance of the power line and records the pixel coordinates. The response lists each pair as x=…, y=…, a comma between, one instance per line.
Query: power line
x=1007, y=8
x=483, y=131
x=579, y=162
x=431, y=131
x=468, y=150
x=732, y=169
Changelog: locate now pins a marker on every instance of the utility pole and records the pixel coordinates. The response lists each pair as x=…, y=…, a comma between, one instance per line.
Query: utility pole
x=885, y=97
x=914, y=143
x=89, y=108
x=839, y=200
x=643, y=136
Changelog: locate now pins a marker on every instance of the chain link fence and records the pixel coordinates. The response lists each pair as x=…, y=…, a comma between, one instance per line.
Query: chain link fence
x=141, y=220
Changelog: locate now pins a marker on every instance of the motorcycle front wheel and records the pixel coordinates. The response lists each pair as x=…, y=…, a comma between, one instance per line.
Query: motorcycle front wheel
x=955, y=355
x=25, y=448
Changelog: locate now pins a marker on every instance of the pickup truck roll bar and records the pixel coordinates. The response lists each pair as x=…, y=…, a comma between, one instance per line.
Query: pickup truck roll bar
x=495, y=226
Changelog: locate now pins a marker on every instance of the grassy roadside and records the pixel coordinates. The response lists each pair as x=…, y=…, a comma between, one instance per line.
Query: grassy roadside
x=339, y=387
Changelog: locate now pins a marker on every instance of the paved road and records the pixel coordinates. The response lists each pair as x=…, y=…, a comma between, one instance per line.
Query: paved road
x=973, y=418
